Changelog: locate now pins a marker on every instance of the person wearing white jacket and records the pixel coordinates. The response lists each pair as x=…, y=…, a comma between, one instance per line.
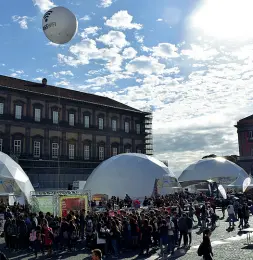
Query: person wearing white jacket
x=231, y=215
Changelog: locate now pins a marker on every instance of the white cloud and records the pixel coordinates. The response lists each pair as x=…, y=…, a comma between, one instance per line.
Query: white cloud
x=159, y=20
x=145, y=65
x=16, y=73
x=108, y=80
x=89, y=31
x=85, y=18
x=114, y=39
x=63, y=73
x=129, y=53
x=165, y=50
x=44, y=5
x=87, y=50
x=22, y=21
x=53, y=44
x=122, y=20
x=105, y=3
x=64, y=83
x=39, y=79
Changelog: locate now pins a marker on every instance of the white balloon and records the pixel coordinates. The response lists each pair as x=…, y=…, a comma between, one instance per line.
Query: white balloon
x=222, y=191
x=59, y=25
x=246, y=184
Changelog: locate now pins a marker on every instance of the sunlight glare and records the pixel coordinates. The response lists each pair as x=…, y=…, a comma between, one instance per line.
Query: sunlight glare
x=225, y=19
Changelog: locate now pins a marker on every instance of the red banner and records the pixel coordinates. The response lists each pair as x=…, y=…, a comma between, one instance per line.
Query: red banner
x=75, y=203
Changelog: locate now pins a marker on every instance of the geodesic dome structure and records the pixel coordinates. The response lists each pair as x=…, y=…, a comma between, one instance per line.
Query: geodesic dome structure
x=216, y=169
x=13, y=180
x=130, y=173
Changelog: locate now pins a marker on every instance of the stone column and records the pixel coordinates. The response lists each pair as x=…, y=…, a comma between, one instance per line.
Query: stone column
x=7, y=147
x=47, y=110
x=28, y=108
x=94, y=147
x=79, y=146
x=107, y=147
x=121, y=145
x=121, y=127
x=64, y=144
x=64, y=112
x=79, y=115
x=27, y=140
x=133, y=146
x=94, y=120
x=47, y=151
x=8, y=104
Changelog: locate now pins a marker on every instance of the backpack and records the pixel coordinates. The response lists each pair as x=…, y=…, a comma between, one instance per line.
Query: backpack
x=200, y=251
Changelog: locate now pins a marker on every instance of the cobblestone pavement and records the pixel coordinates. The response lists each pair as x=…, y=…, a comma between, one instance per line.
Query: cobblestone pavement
x=226, y=245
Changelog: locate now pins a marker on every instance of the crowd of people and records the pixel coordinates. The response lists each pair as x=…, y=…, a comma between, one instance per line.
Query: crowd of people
x=163, y=224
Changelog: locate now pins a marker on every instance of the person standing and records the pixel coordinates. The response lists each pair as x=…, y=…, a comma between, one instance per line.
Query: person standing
x=190, y=226
x=183, y=229
x=231, y=215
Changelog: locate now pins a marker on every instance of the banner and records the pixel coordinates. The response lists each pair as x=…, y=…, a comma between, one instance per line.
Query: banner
x=45, y=204
x=73, y=203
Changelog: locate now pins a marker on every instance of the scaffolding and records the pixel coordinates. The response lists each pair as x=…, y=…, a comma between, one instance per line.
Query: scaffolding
x=148, y=134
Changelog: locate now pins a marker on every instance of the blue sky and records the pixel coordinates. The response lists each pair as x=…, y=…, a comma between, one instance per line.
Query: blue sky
x=189, y=61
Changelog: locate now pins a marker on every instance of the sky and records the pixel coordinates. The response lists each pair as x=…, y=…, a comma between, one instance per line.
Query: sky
x=189, y=62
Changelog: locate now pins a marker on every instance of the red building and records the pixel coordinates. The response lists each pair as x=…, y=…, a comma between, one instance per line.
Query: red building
x=245, y=141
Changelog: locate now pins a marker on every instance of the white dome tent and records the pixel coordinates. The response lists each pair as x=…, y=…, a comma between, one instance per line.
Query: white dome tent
x=216, y=169
x=129, y=173
x=238, y=183
x=13, y=180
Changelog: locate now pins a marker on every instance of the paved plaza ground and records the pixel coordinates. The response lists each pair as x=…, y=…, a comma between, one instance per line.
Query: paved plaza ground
x=226, y=245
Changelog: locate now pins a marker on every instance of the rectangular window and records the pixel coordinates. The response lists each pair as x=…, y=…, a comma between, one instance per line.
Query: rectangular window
x=1, y=108
x=72, y=119
x=18, y=112
x=37, y=114
x=55, y=150
x=250, y=135
x=55, y=117
x=114, y=125
x=1, y=145
x=139, y=151
x=127, y=127
x=101, y=123
x=36, y=149
x=138, y=129
x=114, y=151
x=71, y=151
x=101, y=153
x=86, y=152
x=86, y=121
x=17, y=147
x=127, y=150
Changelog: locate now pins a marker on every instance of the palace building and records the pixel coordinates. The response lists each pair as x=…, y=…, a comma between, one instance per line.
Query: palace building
x=59, y=135
x=245, y=141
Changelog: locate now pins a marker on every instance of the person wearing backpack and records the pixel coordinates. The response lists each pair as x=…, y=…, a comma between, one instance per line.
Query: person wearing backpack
x=205, y=248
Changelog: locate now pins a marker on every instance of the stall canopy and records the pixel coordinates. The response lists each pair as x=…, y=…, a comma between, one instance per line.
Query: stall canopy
x=215, y=169
x=130, y=173
x=13, y=180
